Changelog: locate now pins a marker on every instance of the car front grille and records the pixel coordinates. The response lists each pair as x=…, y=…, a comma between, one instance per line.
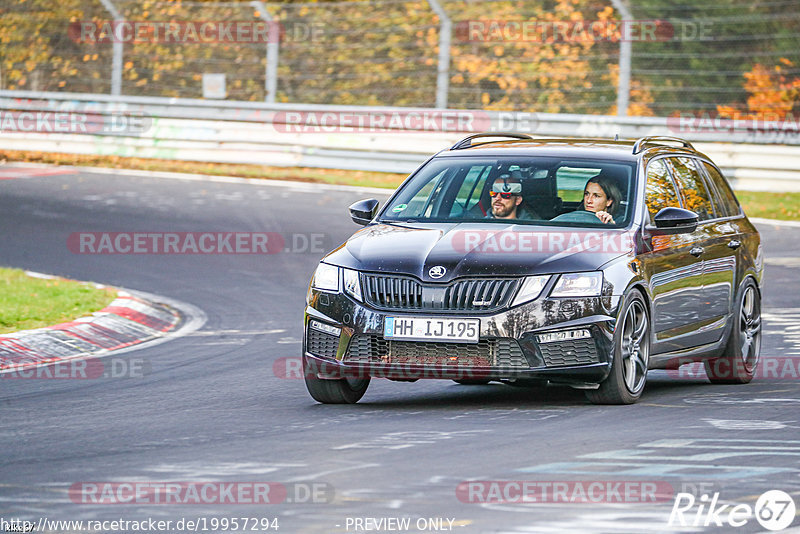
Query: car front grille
x=501, y=352
x=321, y=344
x=570, y=352
x=392, y=292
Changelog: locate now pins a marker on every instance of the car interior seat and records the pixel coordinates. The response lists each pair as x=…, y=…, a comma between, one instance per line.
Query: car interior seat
x=539, y=193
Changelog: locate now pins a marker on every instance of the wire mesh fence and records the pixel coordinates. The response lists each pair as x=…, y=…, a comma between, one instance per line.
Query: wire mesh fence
x=552, y=56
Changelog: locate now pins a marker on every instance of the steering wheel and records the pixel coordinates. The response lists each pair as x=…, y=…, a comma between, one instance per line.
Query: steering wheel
x=579, y=216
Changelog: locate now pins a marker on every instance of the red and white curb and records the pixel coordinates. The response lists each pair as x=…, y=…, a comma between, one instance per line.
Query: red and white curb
x=133, y=320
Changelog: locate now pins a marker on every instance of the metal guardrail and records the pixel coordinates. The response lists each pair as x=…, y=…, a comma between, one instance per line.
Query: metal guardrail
x=352, y=137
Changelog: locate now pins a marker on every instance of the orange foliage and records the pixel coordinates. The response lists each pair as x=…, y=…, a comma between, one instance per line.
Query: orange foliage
x=516, y=71
x=639, y=98
x=772, y=93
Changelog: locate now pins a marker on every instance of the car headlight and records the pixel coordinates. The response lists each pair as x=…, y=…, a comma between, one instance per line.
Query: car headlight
x=352, y=285
x=326, y=277
x=531, y=288
x=578, y=285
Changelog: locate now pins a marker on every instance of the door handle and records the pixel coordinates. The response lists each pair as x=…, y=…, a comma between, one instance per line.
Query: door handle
x=696, y=251
x=734, y=244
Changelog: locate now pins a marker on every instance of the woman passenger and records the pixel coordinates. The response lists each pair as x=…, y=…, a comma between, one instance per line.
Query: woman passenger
x=602, y=196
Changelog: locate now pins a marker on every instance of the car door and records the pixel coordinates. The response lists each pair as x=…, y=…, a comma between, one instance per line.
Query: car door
x=673, y=268
x=722, y=281
x=713, y=236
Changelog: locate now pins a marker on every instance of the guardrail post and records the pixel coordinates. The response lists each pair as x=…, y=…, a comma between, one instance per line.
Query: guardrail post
x=116, y=60
x=443, y=68
x=273, y=38
x=624, y=82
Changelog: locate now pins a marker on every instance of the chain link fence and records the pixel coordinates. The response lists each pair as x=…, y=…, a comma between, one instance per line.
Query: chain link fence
x=552, y=56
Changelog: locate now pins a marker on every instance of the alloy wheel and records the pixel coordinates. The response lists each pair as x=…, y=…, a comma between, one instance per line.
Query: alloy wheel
x=750, y=329
x=634, y=347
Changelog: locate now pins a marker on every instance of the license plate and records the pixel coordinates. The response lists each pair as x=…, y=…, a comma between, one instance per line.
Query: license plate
x=432, y=329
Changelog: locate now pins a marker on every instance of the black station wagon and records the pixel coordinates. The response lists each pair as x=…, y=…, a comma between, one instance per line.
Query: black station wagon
x=582, y=262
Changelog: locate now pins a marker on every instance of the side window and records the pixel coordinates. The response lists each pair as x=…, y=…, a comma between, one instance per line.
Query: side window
x=692, y=187
x=727, y=199
x=421, y=205
x=660, y=192
x=469, y=194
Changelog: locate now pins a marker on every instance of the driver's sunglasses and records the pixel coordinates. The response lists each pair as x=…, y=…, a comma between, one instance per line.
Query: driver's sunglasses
x=504, y=196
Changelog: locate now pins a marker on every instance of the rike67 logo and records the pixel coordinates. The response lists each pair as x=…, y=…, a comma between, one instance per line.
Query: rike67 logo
x=774, y=510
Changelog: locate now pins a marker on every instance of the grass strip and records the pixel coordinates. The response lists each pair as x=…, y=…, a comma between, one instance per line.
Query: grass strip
x=28, y=302
x=769, y=205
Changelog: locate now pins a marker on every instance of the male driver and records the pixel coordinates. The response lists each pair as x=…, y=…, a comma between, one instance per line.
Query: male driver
x=506, y=195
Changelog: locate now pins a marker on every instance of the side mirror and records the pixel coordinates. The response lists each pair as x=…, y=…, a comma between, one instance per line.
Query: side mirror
x=675, y=221
x=363, y=211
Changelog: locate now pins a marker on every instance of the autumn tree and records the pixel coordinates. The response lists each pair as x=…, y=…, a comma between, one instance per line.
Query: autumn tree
x=499, y=67
x=772, y=94
x=386, y=53
x=35, y=50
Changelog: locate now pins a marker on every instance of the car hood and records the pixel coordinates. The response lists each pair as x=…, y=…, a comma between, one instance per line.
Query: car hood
x=440, y=252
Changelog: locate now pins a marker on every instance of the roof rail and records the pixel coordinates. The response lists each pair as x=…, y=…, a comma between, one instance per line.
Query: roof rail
x=637, y=146
x=467, y=141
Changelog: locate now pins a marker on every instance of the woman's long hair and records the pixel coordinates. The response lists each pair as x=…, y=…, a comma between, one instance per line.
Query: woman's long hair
x=610, y=188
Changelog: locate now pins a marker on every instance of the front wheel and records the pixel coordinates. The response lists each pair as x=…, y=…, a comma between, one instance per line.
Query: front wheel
x=334, y=391
x=738, y=363
x=628, y=375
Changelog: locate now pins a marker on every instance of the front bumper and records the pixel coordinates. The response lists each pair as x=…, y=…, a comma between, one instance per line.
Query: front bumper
x=509, y=347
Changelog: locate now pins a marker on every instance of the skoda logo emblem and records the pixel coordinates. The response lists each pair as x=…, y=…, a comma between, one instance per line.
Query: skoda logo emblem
x=437, y=271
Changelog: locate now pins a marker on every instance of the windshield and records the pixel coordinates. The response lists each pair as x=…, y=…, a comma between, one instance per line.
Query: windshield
x=528, y=190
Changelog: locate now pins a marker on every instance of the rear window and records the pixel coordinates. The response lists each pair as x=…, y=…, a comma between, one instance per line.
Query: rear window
x=727, y=200
x=692, y=187
x=660, y=191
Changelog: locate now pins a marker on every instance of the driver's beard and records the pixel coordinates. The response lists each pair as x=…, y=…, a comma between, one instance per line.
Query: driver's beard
x=503, y=210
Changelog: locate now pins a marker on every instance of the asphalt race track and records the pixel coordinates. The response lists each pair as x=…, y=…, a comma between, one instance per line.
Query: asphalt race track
x=210, y=407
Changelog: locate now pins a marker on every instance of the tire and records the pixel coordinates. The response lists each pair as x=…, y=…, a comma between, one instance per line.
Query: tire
x=334, y=391
x=471, y=382
x=625, y=382
x=739, y=360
